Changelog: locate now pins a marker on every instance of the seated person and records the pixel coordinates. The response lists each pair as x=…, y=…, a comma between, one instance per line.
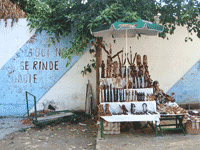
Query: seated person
x=159, y=93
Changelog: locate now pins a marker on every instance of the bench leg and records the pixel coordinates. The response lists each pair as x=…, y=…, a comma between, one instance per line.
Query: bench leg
x=101, y=128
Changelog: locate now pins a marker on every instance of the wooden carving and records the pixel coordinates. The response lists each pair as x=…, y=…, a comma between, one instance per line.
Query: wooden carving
x=115, y=66
x=109, y=60
x=100, y=111
x=145, y=60
x=123, y=107
x=109, y=65
x=149, y=82
x=107, y=111
x=139, y=62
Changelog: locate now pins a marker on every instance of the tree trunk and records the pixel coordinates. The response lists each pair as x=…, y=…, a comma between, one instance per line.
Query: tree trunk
x=98, y=64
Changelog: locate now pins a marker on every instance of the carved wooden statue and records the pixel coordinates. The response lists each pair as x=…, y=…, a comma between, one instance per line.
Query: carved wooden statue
x=129, y=84
x=109, y=60
x=118, y=82
x=133, y=108
x=140, y=74
x=139, y=62
x=149, y=82
x=102, y=69
x=109, y=65
x=123, y=107
x=101, y=87
x=115, y=66
x=133, y=73
x=100, y=111
x=107, y=111
x=145, y=60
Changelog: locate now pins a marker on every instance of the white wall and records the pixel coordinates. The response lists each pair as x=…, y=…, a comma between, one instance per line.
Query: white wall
x=12, y=38
x=70, y=91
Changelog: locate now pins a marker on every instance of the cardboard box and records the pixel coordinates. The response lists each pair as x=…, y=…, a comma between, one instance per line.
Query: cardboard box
x=111, y=127
x=192, y=127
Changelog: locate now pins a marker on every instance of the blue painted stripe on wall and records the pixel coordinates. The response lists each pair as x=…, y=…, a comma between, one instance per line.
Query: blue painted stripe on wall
x=21, y=73
x=187, y=89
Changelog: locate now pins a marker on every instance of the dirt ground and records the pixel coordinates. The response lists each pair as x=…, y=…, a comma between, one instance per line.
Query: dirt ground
x=59, y=136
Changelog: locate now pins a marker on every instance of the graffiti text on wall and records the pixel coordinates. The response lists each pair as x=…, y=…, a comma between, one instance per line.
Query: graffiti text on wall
x=37, y=65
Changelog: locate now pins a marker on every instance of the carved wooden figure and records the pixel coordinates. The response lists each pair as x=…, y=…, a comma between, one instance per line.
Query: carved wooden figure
x=115, y=66
x=107, y=111
x=149, y=83
x=123, y=107
x=140, y=74
x=139, y=62
x=100, y=111
x=109, y=64
x=109, y=60
x=133, y=72
x=145, y=60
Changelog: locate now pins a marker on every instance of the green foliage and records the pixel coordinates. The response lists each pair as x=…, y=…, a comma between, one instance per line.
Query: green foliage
x=57, y=17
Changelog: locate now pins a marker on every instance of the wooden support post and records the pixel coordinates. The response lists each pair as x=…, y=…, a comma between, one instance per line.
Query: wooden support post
x=98, y=64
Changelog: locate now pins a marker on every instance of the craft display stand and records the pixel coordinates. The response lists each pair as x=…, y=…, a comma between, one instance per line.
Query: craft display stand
x=51, y=117
x=179, y=122
x=115, y=104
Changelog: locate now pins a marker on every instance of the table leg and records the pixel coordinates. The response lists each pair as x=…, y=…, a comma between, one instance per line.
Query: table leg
x=156, y=129
x=101, y=128
x=181, y=124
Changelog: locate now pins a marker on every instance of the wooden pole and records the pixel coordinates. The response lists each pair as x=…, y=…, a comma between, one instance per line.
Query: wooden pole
x=98, y=64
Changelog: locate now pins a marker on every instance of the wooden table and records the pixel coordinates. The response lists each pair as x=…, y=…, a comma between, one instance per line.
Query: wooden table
x=177, y=117
x=132, y=118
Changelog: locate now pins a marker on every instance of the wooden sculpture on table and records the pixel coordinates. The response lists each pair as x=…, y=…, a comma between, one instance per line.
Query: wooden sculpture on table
x=100, y=111
x=109, y=65
x=129, y=84
x=123, y=107
x=123, y=64
x=109, y=60
x=139, y=62
x=145, y=60
x=118, y=82
x=101, y=88
x=141, y=74
x=133, y=110
x=107, y=111
x=147, y=78
x=115, y=66
x=133, y=72
x=102, y=69
x=149, y=82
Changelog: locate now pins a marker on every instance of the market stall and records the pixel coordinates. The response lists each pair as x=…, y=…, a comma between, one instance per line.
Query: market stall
x=126, y=88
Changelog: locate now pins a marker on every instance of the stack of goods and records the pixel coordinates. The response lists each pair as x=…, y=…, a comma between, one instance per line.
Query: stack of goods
x=192, y=125
x=150, y=97
x=174, y=109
